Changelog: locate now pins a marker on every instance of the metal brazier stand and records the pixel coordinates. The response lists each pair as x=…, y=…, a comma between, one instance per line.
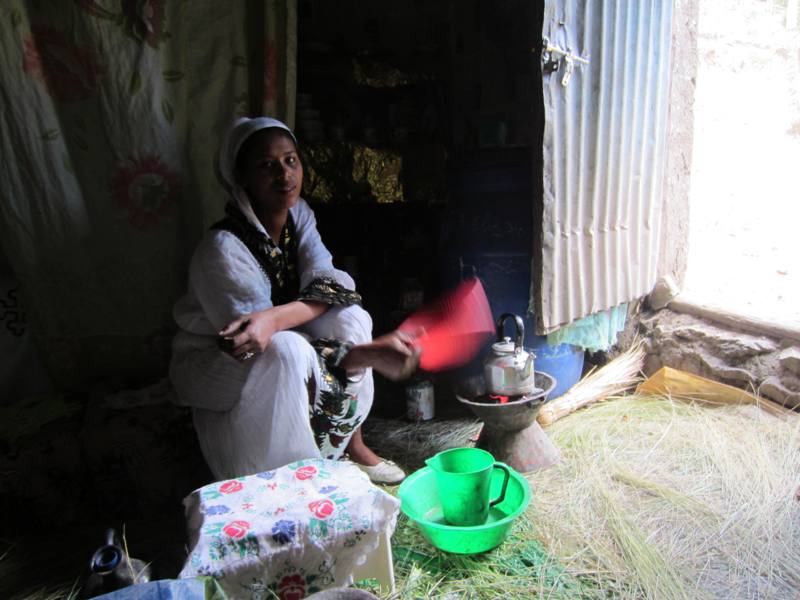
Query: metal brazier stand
x=510, y=431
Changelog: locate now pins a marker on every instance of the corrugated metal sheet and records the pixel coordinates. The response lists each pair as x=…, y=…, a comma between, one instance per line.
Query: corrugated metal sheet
x=604, y=146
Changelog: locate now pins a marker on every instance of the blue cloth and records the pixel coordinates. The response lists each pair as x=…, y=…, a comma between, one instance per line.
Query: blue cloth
x=594, y=333
x=200, y=588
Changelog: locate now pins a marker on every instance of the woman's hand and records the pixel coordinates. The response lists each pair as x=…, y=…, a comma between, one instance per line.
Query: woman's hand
x=250, y=334
x=393, y=355
x=397, y=340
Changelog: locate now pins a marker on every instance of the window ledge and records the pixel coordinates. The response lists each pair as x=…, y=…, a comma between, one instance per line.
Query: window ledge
x=684, y=303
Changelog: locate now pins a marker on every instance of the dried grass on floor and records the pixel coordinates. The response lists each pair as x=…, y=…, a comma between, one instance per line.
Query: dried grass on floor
x=652, y=499
x=675, y=500
x=410, y=444
x=23, y=580
x=519, y=569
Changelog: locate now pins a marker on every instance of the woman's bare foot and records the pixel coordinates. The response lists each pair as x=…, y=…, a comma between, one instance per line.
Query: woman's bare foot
x=392, y=355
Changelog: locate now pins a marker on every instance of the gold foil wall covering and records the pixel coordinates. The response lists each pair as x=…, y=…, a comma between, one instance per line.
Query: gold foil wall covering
x=347, y=172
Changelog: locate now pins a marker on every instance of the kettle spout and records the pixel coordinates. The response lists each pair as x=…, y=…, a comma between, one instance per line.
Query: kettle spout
x=525, y=367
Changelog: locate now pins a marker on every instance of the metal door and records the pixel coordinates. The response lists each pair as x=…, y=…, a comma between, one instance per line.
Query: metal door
x=606, y=81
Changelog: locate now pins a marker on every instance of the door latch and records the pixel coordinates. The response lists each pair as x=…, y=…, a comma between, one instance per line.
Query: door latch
x=552, y=56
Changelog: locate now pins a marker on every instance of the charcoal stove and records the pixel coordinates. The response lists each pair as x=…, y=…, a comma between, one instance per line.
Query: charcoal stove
x=510, y=431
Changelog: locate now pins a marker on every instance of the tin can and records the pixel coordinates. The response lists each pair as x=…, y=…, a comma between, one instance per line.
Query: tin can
x=419, y=400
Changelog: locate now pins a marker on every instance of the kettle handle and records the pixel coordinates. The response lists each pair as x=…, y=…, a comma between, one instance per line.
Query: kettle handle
x=520, y=329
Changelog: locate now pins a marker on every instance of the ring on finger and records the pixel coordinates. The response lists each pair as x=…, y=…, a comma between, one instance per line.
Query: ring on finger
x=248, y=355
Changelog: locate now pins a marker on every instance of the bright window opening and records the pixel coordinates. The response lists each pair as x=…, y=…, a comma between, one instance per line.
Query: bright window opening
x=744, y=253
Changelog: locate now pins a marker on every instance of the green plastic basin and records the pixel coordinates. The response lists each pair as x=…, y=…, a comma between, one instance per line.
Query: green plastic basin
x=420, y=502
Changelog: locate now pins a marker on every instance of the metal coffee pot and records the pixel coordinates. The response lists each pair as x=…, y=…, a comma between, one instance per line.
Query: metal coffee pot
x=509, y=368
x=111, y=569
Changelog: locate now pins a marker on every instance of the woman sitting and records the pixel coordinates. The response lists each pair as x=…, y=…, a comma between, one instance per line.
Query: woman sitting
x=274, y=353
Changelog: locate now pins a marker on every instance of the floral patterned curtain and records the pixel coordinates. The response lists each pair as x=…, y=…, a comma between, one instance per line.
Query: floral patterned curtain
x=112, y=111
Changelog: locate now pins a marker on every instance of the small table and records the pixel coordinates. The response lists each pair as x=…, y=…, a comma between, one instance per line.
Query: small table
x=305, y=527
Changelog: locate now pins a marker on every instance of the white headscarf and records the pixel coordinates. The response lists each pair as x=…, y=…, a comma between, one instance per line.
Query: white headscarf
x=242, y=129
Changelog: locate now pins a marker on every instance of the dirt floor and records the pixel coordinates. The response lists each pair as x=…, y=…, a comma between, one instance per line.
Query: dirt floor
x=745, y=197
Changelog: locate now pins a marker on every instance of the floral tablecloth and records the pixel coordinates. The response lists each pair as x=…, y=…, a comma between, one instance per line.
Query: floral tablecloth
x=291, y=531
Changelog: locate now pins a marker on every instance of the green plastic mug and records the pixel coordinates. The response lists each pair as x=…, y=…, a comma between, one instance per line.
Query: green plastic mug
x=463, y=477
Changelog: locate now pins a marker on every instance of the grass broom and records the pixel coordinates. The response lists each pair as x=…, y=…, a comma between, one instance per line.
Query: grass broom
x=613, y=378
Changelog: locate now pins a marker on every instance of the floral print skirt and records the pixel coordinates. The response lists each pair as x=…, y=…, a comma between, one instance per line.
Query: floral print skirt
x=333, y=412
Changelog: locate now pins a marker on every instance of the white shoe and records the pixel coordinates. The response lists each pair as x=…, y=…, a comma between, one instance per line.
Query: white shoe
x=385, y=471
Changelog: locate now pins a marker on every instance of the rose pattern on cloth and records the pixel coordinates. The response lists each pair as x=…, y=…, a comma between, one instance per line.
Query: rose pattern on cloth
x=231, y=487
x=69, y=71
x=292, y=587
x=322, y=509
x=236, y=529
x=308, y=525
x=304, y=473
x=146, y=189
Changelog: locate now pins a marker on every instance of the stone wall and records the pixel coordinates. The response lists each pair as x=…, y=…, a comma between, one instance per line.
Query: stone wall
x=765, y=365
x=768, y=366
